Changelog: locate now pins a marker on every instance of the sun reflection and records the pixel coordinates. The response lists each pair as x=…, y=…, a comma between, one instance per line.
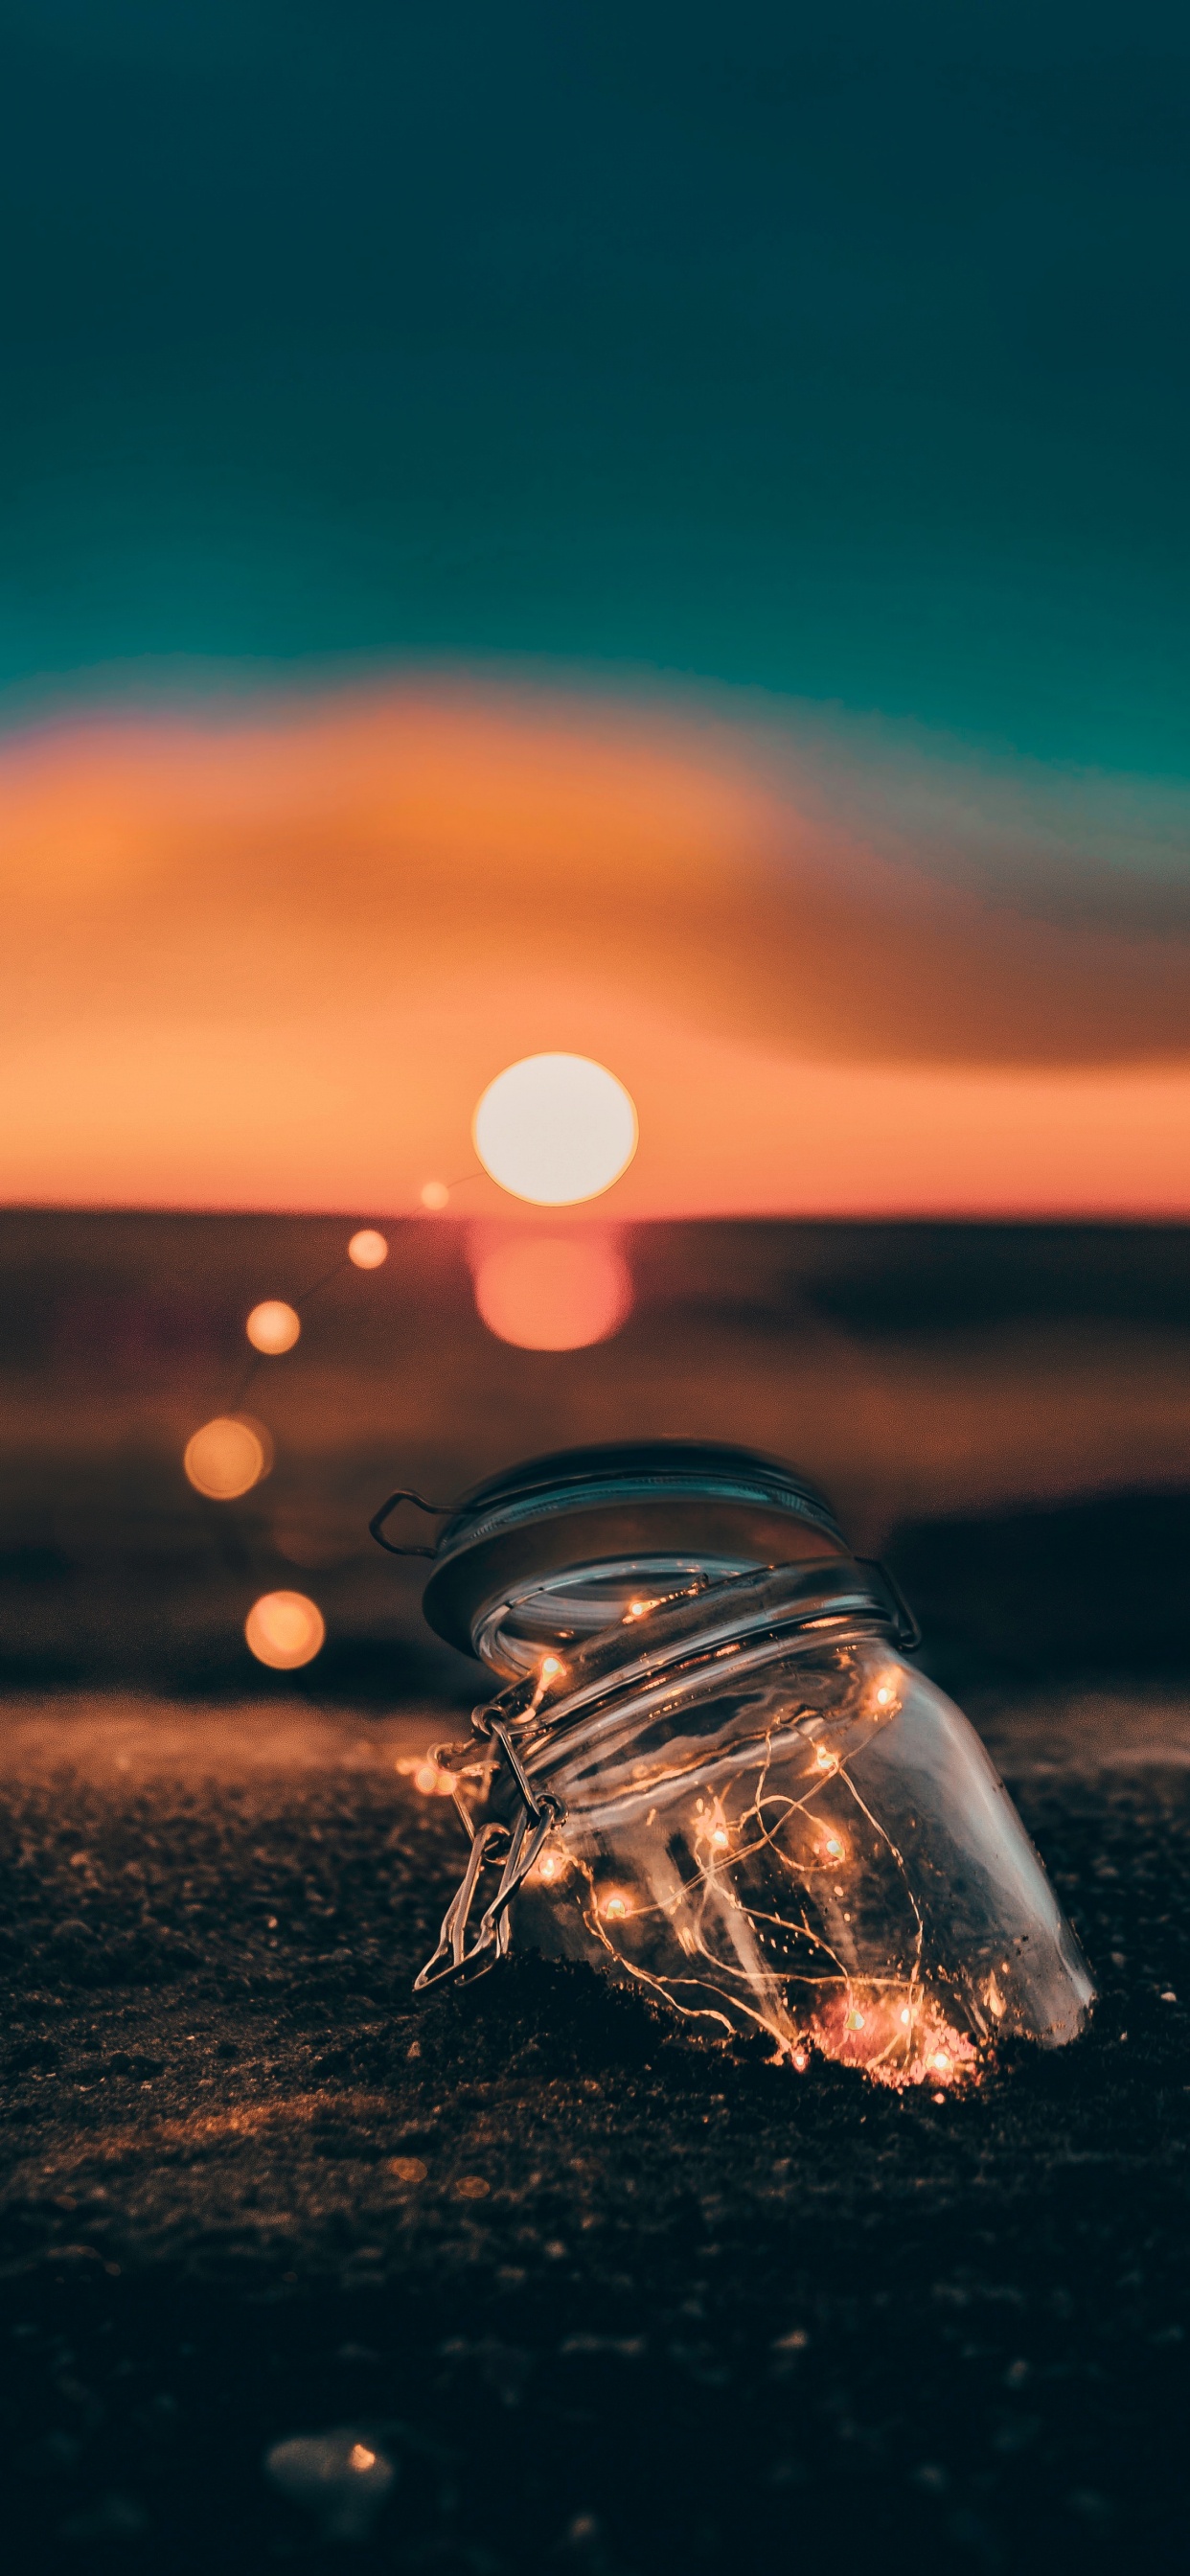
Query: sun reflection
x=285, y=1630
x=553, y=1293
x=273, y=1326
x=434, y=1195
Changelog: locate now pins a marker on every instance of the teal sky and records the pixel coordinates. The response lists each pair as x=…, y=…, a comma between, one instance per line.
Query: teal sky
x=838, y=353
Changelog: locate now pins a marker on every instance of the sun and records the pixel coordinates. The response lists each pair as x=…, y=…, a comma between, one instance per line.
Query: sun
x=555, y=1129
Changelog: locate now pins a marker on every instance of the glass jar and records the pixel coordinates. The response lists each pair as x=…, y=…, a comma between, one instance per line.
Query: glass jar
x=725, y=1785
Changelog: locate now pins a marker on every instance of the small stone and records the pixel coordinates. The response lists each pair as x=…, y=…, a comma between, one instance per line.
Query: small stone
x=339, y=2476
x=472, y=2187
x=408, y=2169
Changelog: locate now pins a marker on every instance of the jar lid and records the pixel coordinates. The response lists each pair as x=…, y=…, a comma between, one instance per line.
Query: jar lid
x=580, y=1509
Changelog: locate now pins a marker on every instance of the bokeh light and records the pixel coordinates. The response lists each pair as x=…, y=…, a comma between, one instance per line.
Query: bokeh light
x=367, y=1249
x=273, y=1326
x=427, y=1775
x=553, y=1293
x=285, y=1629
x=555, y=1129
x=434, y=1196
x=227, y=1457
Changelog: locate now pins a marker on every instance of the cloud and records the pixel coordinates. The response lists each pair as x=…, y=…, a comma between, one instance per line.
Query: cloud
x=243, y=935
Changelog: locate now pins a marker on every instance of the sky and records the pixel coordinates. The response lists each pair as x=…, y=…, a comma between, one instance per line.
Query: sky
x=658, y=530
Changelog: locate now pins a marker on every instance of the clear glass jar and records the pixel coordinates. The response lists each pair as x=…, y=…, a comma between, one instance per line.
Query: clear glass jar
x=737, y=1795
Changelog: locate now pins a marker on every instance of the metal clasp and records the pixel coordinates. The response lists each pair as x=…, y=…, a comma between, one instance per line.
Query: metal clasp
x=454, y=1962
x=905, y=1627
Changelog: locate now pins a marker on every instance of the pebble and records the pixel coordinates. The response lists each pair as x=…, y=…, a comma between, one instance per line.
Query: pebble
x=339, y=2476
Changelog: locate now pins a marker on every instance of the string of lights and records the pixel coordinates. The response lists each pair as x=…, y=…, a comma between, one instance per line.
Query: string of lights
x=227, y=1456
x=550, y=1130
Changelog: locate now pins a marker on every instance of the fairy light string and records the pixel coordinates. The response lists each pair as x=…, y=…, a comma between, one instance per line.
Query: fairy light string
x=550, y=1129
x=225, y=1458
x=749, y=1950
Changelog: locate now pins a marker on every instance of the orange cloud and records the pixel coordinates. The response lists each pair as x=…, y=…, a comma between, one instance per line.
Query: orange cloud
x=271, y=958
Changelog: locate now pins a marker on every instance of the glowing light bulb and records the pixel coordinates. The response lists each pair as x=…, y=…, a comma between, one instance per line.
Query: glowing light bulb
x=825, y=1759
x=906, y=2016
x=552, y=1668
x=434, y=1195
x=428, y=1777
x=614, y=1907
x=285, y=1630
x=855, y=2021
x=834, y=1848
x=555, y=1129
x=720, y=1837
x=273, y=1327
x=367, y=1249
x=800, y=2060
x=940, y=2062
x=227, y=1457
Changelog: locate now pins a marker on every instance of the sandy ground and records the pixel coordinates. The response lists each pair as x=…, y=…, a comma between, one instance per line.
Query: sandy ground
x=602, y=2299
x=578, y=2294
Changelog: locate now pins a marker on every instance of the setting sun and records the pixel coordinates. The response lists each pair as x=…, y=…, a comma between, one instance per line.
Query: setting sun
x=555, y=1129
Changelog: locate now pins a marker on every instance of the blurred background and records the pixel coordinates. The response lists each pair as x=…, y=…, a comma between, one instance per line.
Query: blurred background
x=1003, y=1411
x=631, y=532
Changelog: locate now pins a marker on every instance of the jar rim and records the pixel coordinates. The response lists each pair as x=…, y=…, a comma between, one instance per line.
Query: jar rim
x=577, y=1509
x=751, y=1612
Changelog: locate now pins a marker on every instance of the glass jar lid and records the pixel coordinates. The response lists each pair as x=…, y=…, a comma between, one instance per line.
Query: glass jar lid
x=552, y=1550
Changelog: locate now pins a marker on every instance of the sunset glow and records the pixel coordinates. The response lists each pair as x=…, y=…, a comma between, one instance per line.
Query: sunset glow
x=811, y=1014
